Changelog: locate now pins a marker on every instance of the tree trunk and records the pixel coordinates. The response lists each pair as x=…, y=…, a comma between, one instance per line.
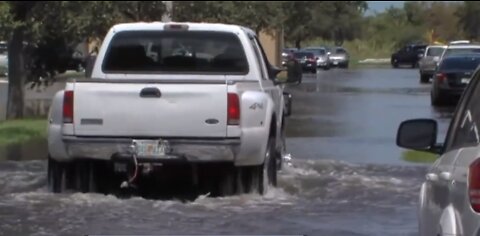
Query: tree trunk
x=16, y=75
x=297, y=43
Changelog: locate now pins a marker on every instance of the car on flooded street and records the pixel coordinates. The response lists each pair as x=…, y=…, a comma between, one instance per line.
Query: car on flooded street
x=321, y=56
x=449, y=198
x=339, y=57
x=408, y=55
x=428, y=62
x=307, y=60
x=207, y=111
x=451, y=77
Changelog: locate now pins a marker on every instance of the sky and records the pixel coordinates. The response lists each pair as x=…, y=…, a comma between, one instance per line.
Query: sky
x=380, y=6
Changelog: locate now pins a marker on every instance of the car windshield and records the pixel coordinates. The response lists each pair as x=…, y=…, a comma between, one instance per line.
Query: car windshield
x=460, y=63
x=302, y=54
x=340, y=51
x=175, y=51
x=455, y=51
x=317, y=51
x=435, y=51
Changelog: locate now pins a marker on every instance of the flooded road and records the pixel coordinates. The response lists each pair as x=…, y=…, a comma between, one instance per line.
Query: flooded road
x=347, y=177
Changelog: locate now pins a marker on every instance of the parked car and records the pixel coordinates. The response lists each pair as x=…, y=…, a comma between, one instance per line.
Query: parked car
x=339, y=57
x=408, y=55
x=449, y=197
x=286, y=52
x=307, y=60
x=321, y=56
x=217, y=124
x=428, y=62
x=452, y=76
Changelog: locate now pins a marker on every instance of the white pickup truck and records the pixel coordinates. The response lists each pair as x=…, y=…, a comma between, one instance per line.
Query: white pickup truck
x=197, y=101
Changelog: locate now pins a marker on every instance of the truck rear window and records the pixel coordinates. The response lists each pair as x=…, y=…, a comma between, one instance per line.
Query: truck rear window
x=175, y=51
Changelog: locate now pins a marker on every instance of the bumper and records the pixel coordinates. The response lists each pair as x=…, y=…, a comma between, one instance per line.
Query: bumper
x=188, y=150
x=308, y=66
x=338, y=62
x=451, y=92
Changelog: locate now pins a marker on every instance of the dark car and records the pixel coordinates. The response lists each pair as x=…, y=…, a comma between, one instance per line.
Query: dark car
x=451, y=77
x=321, y=56
x=286, y=52
x=408, y=55
x=307, y=60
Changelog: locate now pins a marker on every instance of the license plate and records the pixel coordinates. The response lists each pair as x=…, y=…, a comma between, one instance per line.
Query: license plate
x=465, y=80
x=150, y=148
x=335, y=62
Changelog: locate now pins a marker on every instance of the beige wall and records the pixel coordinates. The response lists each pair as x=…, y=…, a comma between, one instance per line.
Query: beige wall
x=272, y=46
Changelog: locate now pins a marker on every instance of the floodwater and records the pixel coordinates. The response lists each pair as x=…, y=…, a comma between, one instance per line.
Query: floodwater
x=347, y=176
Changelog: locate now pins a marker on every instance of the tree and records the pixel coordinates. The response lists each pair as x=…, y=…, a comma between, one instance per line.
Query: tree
x=38, y=35
x=469, y=18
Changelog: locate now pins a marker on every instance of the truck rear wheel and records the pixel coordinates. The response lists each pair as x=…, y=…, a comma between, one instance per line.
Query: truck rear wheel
x=56, y=176
x=79, y=176
x=268, y=171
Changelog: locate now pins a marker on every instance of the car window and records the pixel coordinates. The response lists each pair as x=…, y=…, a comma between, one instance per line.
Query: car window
x=465, y=125
x=259, y=59
x=455, y=51
x=340, y=51
x=320, y=52
x=433, y=52
x=464, y=63
x=175, y=51
x=300, y=55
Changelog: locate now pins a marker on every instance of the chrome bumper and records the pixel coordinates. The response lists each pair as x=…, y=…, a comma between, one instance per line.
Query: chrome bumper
x=190, y=150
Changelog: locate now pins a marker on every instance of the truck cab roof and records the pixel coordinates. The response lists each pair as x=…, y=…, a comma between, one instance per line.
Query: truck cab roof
x=191, y=26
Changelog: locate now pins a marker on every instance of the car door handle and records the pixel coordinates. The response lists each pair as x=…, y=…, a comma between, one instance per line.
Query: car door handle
x=432, y=177
x=447, y=176
x=151, y=92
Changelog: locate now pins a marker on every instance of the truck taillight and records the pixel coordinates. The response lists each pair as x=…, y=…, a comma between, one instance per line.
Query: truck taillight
x=68, y=106
x=474, y=185
x=233, y=117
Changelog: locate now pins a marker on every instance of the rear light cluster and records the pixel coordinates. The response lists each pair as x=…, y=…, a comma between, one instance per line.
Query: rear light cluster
x=441, y=77
x=68, y=107
x=474, y=185
x=233, y=117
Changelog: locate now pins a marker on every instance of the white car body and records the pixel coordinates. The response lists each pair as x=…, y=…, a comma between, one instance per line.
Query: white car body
x=188, y=112
x=449, y=199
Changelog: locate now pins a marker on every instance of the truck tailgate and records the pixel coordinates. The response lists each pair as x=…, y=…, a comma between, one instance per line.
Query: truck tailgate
x=165, y=110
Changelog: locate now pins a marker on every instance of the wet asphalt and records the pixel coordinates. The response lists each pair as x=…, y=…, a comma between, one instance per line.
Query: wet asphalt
x=347, y=177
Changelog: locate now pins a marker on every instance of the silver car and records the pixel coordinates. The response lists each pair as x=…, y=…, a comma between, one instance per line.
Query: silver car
x=321, y=56
x=339, y=57
x=449, y=200
x=429, y=60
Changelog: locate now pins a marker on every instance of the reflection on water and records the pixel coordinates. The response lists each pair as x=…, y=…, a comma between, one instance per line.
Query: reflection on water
x=35, y=149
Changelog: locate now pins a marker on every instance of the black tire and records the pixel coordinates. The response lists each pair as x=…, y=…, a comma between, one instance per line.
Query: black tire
x=79, y=176
x=314, y=70
x=268, y=170
x=424, y=78
x=56, y=176
x=394, y=63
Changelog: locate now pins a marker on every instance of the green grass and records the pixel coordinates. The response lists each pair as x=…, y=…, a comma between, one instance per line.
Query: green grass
x=418, y=156
x=18, y=131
